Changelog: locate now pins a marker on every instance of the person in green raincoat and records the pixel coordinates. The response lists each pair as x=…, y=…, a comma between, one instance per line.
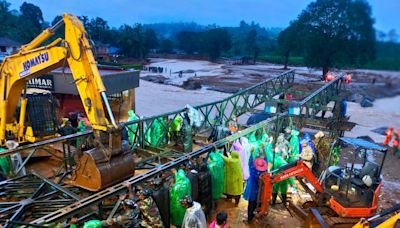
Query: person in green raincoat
x=282, y=186
x=187, y=137
x=215, y=165
x=5, y=165
x=294, y=145
x=175, y=128
x=157, y=135
x=180, y=189
x=133, y=127
x=233, y=186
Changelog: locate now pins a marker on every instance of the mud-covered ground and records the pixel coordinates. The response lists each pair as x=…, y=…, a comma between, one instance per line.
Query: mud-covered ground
x=197, y=74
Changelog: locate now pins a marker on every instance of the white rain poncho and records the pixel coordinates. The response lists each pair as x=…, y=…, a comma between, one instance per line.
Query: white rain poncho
x=194, y=217
x=196, y=118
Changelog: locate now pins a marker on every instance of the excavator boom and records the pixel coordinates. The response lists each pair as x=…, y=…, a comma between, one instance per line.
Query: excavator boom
x=76, y=52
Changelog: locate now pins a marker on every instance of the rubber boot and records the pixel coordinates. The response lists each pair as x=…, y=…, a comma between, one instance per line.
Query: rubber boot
x=274, y=195
x=284, y=199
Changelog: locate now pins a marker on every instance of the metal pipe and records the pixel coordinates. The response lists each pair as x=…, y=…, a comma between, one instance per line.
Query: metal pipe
x=110, y=114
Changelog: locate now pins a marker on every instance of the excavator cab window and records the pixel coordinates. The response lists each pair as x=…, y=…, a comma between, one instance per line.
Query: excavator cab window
x=41, y=114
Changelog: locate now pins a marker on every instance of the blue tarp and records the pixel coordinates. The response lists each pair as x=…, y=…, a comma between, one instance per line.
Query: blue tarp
x=362, y=143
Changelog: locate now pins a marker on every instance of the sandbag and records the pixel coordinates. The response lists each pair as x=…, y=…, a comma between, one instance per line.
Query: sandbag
x=161, y=197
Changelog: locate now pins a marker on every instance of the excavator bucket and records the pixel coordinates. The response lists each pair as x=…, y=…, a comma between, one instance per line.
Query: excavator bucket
x=94, y=172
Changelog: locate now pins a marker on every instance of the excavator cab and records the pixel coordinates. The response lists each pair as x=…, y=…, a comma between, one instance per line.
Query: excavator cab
x=354, y=186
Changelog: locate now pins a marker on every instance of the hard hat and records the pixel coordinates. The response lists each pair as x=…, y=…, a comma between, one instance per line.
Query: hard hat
x=367, y=180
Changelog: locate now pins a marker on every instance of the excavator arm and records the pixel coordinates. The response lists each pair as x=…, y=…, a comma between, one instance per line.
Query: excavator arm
x=76, y=52
x=32, y=62
x=266, y=180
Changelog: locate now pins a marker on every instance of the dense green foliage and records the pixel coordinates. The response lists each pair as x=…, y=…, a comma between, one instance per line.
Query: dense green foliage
x=331, y=33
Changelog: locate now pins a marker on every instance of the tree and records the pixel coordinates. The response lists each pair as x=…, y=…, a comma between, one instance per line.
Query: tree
x=392, y=35
x=150, y=39
x=215, y=41
x=8, y=25
x=97, y=29
x=287, y=42
x=335, y=33
x=30, y=21
x=251, y=46
x=166, y=46
x=188, y=41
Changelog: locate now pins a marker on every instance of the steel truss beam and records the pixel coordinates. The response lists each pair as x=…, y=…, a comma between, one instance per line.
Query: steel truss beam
x=272, y=125
x=39, y=197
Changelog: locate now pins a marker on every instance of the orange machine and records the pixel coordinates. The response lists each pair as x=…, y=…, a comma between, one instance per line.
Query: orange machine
x=351, y=192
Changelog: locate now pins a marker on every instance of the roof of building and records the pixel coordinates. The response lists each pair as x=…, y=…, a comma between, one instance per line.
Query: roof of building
x=4, y=41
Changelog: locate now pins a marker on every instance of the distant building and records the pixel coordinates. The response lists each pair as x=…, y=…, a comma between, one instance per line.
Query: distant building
x=8, y=47
x=105, y=52
x=238, y=60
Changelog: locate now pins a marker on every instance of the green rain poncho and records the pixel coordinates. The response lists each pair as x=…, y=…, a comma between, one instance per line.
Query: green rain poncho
x=93, y=224
x=295, y=144
x=233, y=174
x=5, y=163
x=187, y=137
x=133, y=127
x=180, y=189
x=282, y=186
x=215, y=165
x=176, y=124
x=157, y=136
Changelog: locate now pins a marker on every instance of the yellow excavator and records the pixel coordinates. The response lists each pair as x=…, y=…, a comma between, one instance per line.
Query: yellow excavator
x=99, y=167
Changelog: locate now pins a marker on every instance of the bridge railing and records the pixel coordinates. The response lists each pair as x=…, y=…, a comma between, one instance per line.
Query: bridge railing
x=234, y=105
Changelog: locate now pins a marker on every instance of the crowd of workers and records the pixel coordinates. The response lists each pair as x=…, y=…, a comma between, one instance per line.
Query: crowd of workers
x=190, y=196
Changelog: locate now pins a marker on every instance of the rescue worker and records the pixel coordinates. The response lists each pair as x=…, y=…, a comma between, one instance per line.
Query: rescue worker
x=233, y=176
x=215, y=165
x=194, y=215
x=149, y=214
x=256, y=167
x=306, y=154
x=322, y=147
x=128, y=219
x=175, y=128
x=219, y=131
x=294, y=145
x=389, y=134
x=282, y=186
x=180, y=189
x=233, y=125
x=348, y=78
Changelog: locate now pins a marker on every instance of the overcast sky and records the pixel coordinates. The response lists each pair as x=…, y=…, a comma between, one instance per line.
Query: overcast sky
x=269, y=13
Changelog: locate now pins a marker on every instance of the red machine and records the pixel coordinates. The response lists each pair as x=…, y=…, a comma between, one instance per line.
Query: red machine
x=351, y=192
x=296, y=169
